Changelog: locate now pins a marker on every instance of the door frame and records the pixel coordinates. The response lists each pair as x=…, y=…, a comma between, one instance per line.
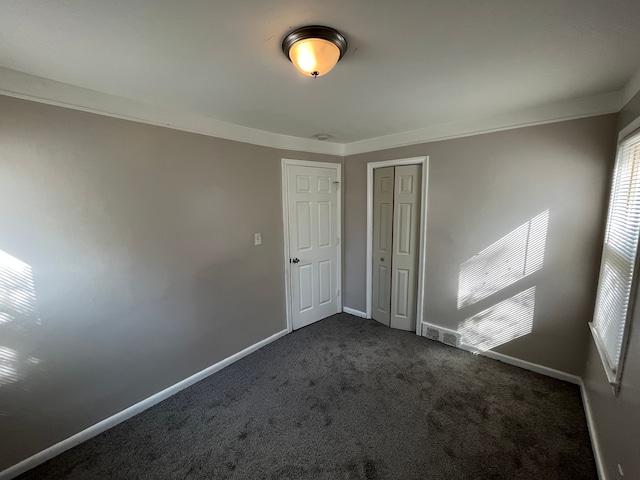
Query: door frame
x=424, y=161
x=286, y=162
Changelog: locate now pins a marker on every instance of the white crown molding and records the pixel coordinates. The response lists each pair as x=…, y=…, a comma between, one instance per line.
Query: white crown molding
x=630, y=89
x=557, y=112
x=38, y=89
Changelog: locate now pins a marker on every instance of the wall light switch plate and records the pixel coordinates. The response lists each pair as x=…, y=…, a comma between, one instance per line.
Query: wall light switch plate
x=258, y=238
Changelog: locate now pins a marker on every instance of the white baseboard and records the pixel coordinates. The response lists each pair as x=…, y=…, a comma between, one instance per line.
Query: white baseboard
x=353, y=311
x=534, y=367
x=425, y=325
x=595, y=445
x=139, y=407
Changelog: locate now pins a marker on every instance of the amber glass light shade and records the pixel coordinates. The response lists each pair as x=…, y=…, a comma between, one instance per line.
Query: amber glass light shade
x=315, y=49
x=314, y=56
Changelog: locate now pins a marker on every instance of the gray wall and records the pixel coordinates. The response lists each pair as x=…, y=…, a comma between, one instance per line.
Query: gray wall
x=617, y=420
x=481, y=188
x=140, y=240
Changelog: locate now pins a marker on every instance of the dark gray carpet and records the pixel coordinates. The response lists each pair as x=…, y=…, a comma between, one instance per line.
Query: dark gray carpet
x=348, y=398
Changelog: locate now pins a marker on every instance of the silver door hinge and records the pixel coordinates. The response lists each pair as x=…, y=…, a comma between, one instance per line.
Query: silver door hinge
x=337, y=293
x=337, y=241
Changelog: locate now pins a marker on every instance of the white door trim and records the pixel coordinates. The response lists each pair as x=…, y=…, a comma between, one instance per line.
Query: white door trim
x=424, y=161
x=285, y=222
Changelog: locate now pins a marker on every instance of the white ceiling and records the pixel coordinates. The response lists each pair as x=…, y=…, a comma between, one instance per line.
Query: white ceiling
x=411, y=64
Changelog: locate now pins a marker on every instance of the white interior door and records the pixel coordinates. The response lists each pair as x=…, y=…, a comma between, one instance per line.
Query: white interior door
x=406, y=242
x=312, y=200
x=383, y=180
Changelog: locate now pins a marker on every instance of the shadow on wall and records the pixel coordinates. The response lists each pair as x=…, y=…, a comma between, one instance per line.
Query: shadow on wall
x=18, y=317
x=515, y=256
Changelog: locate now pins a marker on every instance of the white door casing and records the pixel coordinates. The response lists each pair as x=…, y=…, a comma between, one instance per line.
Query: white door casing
x=311, y=203
x=382, y=243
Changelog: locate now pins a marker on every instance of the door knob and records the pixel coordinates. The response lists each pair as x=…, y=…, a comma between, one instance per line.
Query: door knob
x=382, y=259
x=295, y=260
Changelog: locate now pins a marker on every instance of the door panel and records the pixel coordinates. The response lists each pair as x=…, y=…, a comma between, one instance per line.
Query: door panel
x=402, y=298
x=303, y=219
x=383, y=181
x=405, y=246
x=324, y=273
x=324, y=224
x=404, y=229
x=324, y=184
x=312, y=214
x=384, y=290
x=305, y=287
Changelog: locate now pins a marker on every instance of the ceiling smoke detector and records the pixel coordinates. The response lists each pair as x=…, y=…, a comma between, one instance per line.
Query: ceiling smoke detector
x=322, y=136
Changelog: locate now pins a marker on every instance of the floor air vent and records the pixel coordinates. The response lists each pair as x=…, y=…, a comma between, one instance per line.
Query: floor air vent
x=450, y=339
x=432, y=333
x=439, y=334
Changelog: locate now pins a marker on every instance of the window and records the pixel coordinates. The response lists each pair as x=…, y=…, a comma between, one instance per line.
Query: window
x=616, y=283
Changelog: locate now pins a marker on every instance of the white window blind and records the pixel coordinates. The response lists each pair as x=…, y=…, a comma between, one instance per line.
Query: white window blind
x=615, y=286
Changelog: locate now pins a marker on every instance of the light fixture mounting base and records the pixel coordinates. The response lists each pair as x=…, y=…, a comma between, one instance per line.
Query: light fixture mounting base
x=315, y=31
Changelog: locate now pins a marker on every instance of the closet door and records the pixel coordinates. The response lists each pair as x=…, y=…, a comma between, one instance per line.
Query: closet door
x=406, y=241
x=383, y=180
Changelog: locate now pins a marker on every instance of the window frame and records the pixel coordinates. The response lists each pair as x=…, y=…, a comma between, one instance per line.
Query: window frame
x=614, y=372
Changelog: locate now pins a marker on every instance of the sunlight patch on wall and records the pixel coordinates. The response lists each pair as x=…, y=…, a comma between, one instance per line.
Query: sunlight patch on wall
x=17, y=292
x=17, y=313
x=513, y=257
x=8, y=361
x=497, y=325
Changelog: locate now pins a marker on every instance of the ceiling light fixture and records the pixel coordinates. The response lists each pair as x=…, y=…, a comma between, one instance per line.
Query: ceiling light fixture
x=314, y=50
